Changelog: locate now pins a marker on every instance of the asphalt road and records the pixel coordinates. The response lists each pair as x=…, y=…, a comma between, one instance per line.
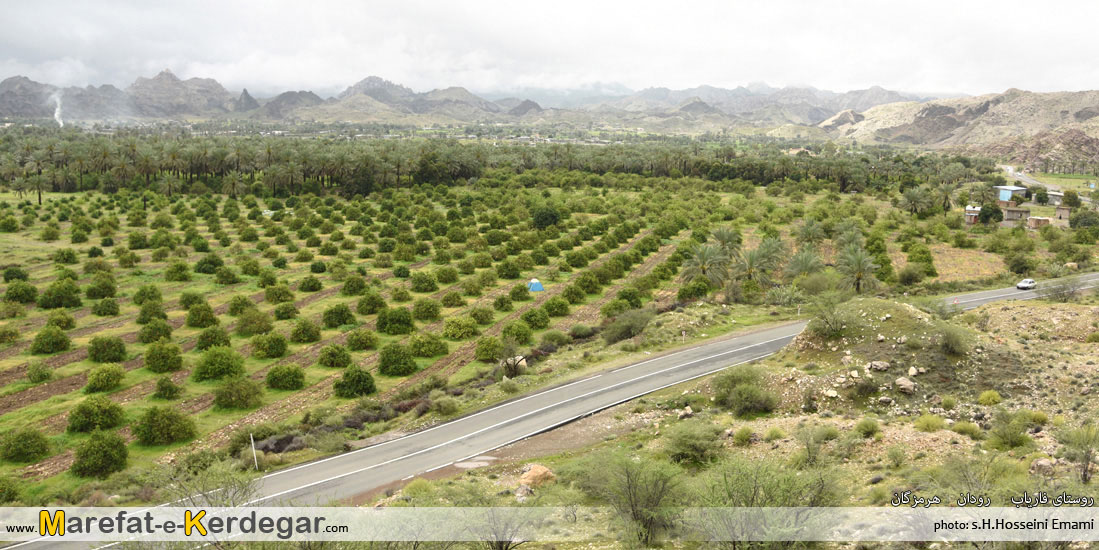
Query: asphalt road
x=340, y=477
x=1023, y=178
x=972, y=300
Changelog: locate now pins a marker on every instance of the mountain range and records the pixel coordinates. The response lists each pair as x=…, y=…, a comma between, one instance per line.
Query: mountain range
x=1027, y=125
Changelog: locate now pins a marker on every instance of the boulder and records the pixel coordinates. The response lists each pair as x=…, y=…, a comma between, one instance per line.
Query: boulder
x=535, y=475
x=1042, y=466
x=905, y=385
x=885, y=400
x=523, y=492
x=881, y=337
x=831, y=393
x=686, y=413
x=879, y=365
x=912, y=371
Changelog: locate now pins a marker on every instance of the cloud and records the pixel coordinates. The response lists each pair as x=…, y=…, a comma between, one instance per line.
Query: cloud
x=271, y=46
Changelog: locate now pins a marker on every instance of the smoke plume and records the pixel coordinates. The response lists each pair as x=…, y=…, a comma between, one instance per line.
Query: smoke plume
x=56, y=99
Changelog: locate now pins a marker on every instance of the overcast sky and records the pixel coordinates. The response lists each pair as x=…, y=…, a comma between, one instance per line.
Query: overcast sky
x=956, y=46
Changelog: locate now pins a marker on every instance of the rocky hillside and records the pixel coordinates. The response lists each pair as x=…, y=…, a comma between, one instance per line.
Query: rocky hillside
x=1027, y=126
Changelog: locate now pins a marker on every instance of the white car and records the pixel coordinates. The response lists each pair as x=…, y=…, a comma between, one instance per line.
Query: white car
x=1026, y=284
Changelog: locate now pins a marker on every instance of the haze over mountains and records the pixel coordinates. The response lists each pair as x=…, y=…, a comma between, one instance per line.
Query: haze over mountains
x=1014, y=122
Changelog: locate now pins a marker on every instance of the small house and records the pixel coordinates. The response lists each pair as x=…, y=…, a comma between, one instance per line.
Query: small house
x=1055, y=197
x=1014, y=216
x=1034, y=222
x=1063, y=212
x=972, y=213
x=1009, y=192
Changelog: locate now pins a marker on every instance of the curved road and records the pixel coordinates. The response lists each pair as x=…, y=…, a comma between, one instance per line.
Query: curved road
x=342, y=476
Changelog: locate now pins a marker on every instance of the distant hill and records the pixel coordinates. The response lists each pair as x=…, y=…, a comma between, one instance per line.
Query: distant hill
x=1027, y=126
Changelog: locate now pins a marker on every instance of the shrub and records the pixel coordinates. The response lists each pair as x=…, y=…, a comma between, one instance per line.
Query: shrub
x=95, y=413
x=556, y=307
x=353, y=286
x=537, y=318
x=989, y=397
x=338, y=315
x=25, y=445
x=15, y=273
x=49, y=340
x=517, y=331
x=929, y=423
x=60, y=293
x=278, y=294
x=459, y=328
x=426, y=309
x=334, y=356
x=238, y=392
x=954, y=341
x=107, y=307
x=209, y=264
x=396, y=320
x=488, y=349
x=253, y=322
x=627, y=325
x=163, y=426
x=157, y=329
x=104, y=378
x=201, y=315
x=189, y=298
x=580, y=331
x=102, y=286
x=166, y=389
x=107, y=349
x=426, y=344
x=177, y=272
x=309, y=284
x=355, y=382
x=147, y=293
x=269, y=346
x=286, y=310
x=100, y=455
x=502, y=303
x=519, y=293
x=286, y=377
x=370, y=303
x=743, y=437
x=949, y=402
x=8, y=334
x=396, y=360
x=968, y=429
x=240, y=304
x=912, y=274
x=445, y=406
x=305, y=331
x=896, y=456
x=219, y=362
x=21, y=292
x=423, y=281
x=556, y=338
x=211, y=337
x=38, y=372
x=1008, y=431
x=61, y=319
x=693, y=443
x=867, y=427
x=453, y=299
x=150, y=311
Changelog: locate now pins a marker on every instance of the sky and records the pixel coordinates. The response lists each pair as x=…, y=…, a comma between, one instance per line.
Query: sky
x=932, y=46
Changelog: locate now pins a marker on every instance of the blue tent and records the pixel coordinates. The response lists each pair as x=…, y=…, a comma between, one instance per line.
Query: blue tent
x=535, y=286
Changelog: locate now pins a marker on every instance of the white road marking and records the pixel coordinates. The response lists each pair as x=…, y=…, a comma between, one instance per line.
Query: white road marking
x=513, y=419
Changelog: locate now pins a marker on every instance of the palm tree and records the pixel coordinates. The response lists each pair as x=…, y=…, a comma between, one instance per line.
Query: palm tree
x=811, y=232
x=728, y=239
x=230, y=183
x=914, y=200
x=706, y=262
x=804, y=262
x=857, y=267
x=758, y=263
x=944, y=196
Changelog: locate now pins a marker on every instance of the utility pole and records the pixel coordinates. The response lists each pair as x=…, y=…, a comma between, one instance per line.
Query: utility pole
x=255, y=459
